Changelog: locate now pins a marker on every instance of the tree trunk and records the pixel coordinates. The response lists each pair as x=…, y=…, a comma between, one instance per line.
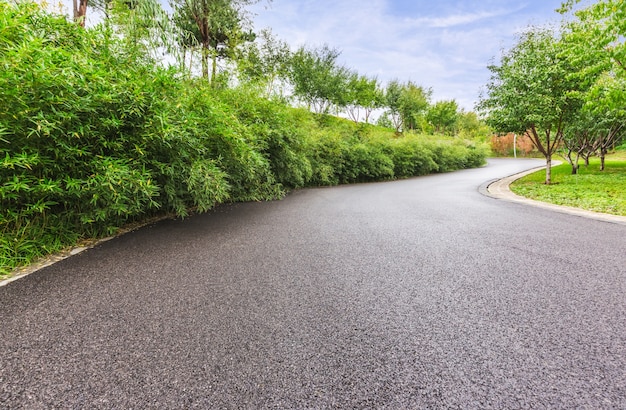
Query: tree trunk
x=602, y=155
x=205, y=62
x=548, y=170
x=191, y=52
x=80, y=10
x=571, y=161
x=213, y=70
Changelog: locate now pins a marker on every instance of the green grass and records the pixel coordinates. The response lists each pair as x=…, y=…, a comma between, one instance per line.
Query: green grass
x=592, y=189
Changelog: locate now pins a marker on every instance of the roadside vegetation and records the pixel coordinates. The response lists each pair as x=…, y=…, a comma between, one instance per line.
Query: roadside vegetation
x=561, y=91
x=149, y=114
x=564, y=88
x=591, y=189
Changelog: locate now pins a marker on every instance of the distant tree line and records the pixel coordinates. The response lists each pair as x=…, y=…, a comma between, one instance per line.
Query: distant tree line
x=314, y=77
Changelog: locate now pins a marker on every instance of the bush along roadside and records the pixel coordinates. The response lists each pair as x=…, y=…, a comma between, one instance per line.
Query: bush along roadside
x=94, y=135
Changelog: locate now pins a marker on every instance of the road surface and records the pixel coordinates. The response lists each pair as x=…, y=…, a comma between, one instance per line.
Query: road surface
x=420, y=293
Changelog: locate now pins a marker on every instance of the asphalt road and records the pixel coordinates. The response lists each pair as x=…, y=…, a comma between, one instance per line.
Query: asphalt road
x=419, y=293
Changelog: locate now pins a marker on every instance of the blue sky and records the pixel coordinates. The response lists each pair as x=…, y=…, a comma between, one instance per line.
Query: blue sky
x=445, y=44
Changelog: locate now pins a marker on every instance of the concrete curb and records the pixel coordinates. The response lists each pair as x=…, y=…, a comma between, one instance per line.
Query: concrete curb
x=500, y=189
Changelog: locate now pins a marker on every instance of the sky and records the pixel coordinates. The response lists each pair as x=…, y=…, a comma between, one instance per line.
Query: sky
x=445, y=45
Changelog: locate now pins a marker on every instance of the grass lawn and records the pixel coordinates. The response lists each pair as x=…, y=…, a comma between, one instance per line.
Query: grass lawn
x=592, y=189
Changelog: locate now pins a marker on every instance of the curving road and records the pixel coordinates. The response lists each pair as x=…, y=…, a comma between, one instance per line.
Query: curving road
x=420, y=293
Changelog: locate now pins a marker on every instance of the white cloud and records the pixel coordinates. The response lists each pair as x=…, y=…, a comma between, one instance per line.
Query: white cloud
x=458, y=19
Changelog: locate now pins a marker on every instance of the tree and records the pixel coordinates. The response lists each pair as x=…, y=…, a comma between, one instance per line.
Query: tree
x=406, y=104
x=317, y=79
x=606, y=102
x=393, y=115
x=578, y=140
x=80, y=11
x=600, y=29
x=265, y=62
x=142, y=25
x=217, y=26
x=79, y=8
x=362, y=93
x=443, y=116
x=371, y=97
x=414, y=103
x=471, y=126
x=595, y=42
x=532, y=92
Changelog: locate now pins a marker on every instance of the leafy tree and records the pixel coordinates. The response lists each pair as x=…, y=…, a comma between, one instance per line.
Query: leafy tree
x=414, y=103
x=393, y=116
x=531, y=92
x=471, y=126
x=406, y=104
x=578, y=140
x=317, y=79
x=599, y=125
x=443, y=116
x=143, y=25
x=362, y=93
x=217, y=26
x=384, y=121
x=265, y=62
x=595, y=43
x=600, y=29
x=606, y=102
x=371, y=98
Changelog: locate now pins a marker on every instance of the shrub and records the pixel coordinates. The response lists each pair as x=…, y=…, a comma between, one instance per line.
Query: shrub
x=275, y=134
x=411, y=157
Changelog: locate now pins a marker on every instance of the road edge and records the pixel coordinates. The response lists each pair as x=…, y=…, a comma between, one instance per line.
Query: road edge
x=49, y=260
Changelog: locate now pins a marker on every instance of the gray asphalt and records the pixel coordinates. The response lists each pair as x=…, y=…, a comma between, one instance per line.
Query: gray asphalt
x=420, y=293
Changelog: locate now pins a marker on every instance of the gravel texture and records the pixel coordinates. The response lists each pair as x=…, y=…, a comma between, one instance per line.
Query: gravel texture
x=420, y=293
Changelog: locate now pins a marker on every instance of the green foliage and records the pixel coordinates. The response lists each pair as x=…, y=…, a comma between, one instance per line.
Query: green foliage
x=596, y=36
x=411, y=156
x=361, y=153
x=533, y=91
x=265, y=64
x=444, y=116
x=413, y=104
x=361, y=94
x=275, y=133
x=95, y=134
x=317, y=79
x=216, y=26
x=406, y=105
x=472, y=127
x=565, y=90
